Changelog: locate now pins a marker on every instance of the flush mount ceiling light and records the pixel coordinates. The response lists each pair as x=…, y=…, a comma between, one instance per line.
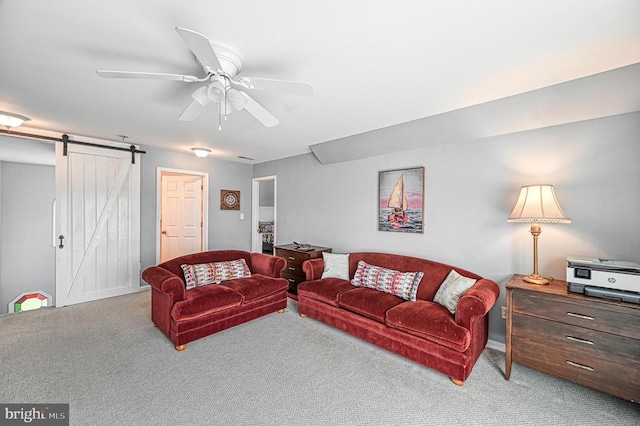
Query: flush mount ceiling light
x=10, y=120
x=201, y=152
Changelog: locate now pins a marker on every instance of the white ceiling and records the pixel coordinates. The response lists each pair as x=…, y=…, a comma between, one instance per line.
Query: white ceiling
x=373, y=64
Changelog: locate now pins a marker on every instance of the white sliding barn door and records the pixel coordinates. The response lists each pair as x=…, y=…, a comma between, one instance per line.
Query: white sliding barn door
x=98, y=216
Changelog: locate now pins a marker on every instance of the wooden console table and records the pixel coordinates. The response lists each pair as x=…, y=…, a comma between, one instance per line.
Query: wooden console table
x=587, y=340
x=294, y=257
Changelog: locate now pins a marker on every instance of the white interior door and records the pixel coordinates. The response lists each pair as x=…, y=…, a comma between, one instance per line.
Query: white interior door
x=181, y=215
x=98, y=220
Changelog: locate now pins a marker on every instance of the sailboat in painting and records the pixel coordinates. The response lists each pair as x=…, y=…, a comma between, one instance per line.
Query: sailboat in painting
x=398, y=203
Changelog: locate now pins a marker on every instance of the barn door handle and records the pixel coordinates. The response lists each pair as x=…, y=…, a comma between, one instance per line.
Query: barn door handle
x=61, y=237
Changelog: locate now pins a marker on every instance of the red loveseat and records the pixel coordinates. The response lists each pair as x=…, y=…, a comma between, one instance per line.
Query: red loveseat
x=187, y=315
x=423, y=330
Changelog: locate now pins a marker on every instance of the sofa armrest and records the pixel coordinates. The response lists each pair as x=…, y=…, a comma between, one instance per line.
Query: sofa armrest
x=476, y=302
x=313, y=268
x=165, y=281
x=267, y=264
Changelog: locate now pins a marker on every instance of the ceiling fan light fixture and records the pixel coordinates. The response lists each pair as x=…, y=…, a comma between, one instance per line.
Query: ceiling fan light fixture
x=9, y=120
x=201, y=152
x=200, y=96
x=215, y=91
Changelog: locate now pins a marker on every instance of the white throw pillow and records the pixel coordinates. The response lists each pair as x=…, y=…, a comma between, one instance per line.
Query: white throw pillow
x=335, y=265
x=451, y=289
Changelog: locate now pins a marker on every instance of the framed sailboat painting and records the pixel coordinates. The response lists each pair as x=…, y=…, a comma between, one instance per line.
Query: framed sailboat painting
x=401, y=200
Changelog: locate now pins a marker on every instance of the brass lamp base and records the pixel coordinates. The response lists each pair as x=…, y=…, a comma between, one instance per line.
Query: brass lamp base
x=536, y=279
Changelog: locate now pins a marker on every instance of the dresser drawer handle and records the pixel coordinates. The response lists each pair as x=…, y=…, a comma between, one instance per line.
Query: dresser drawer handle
x=292, y=258
x=576, y=339
x=571, y=314
x=584, y=367
x=291, y=280
x=292, y=269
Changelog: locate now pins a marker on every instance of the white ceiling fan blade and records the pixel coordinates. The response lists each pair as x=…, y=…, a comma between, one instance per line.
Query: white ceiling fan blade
x=258, y=111
x=236, y=99
x=201, y=47
x=200, y=100
x=146, y=75
x=289, y=87
x=191, y=112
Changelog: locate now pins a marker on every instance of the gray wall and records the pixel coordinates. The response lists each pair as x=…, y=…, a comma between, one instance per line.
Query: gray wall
x=266, y=193
x=470, y=189
x=27, y=256
x=226, y=229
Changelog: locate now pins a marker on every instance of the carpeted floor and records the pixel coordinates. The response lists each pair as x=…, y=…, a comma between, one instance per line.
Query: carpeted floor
x=108, y=361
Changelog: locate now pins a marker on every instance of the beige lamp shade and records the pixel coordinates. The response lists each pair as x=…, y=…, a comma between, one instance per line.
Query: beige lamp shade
x=538, y=203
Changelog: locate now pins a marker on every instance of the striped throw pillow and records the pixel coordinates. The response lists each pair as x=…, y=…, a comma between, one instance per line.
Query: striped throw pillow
x=401, y=284
x=214, y=273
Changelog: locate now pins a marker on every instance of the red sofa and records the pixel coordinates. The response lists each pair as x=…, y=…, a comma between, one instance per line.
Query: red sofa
x=423, y=331
x=187, y=315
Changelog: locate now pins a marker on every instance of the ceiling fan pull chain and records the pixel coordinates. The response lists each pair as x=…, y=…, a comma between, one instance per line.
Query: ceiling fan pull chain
x=225, y=104
x=226, y=91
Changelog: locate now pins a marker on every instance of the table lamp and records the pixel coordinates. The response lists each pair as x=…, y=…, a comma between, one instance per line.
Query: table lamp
x=537, y=204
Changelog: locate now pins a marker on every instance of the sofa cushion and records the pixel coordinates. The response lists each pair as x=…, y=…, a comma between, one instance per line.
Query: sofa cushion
x=368, y=302
x=204, y=300
x=451, y=289
x=335, y=265
x=215, y=272
x=430, y=321
x=326, y=290
x=401, y=284
x=256, y=286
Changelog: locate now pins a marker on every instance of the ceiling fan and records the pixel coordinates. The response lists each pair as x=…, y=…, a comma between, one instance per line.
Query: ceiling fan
x=223, y=85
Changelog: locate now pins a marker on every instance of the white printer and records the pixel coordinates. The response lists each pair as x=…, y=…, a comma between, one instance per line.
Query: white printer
x=605, y=278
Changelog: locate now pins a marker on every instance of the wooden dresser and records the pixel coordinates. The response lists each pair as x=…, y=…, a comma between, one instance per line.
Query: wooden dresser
x=591, y=341
x=294, y=257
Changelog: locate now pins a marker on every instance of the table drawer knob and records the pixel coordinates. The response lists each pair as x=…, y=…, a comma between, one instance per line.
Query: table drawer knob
x=578, y=340
x=587, y=317
x=584, y=367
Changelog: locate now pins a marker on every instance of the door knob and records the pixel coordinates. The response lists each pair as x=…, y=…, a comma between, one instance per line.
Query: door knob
x=164, y=232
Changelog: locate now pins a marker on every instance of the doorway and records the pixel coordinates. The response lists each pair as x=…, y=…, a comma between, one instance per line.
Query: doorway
x=263, y=214
x=182, y=222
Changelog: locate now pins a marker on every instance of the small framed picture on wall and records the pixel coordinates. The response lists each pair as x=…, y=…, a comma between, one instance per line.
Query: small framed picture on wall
x=229, y=199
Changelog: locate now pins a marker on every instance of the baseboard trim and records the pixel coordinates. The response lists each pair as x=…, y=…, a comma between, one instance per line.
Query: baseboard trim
x=498, y=346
